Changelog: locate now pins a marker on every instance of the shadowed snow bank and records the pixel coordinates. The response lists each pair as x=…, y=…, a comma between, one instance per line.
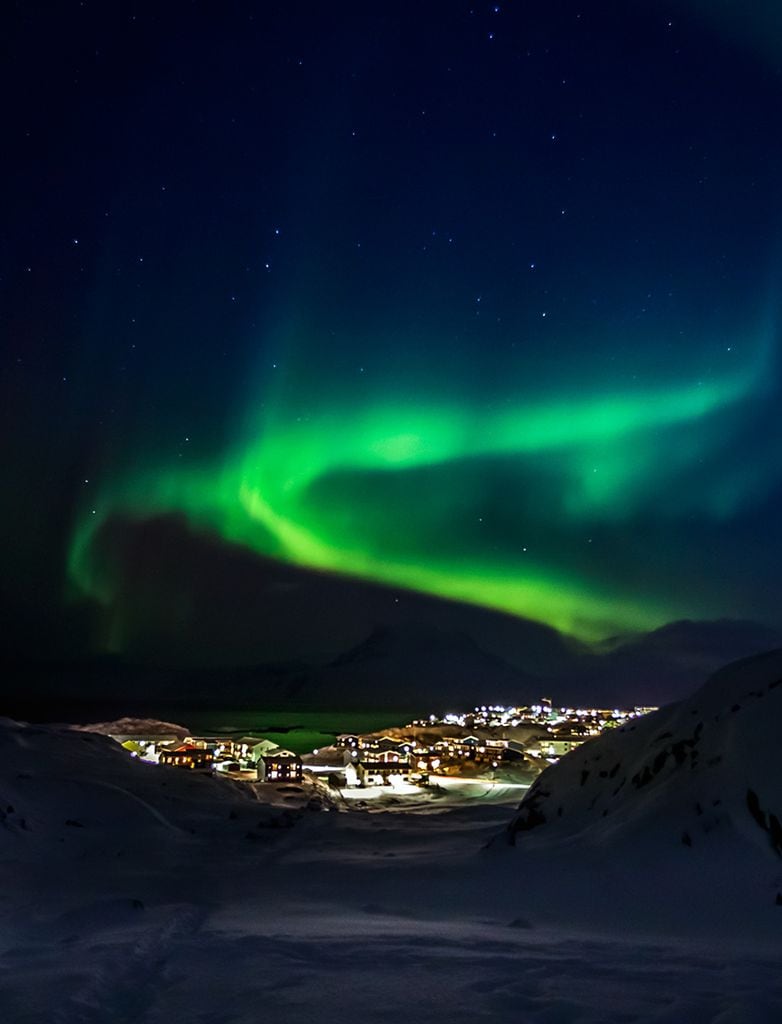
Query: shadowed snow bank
x=686, y=801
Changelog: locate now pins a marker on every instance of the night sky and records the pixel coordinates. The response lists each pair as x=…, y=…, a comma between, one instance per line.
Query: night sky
x=469, y=301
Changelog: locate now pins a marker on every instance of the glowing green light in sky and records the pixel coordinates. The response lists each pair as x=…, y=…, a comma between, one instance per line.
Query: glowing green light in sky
x=378, y=489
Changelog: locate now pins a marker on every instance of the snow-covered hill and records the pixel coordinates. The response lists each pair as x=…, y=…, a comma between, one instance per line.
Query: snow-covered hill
x=134, y=727
x=691, y=794
x=67, y=794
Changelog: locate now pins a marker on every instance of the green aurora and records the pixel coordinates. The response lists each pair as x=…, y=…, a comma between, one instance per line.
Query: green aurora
x=392, y=490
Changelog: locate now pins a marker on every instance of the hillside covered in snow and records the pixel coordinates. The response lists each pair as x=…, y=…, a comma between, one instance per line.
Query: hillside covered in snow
x=688, y=798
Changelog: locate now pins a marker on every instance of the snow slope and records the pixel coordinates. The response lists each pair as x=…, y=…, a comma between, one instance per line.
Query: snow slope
x=135, y=727
x=67, y=795
x=687, y=799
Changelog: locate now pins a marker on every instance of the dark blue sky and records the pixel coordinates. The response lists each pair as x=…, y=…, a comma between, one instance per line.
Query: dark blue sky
x=473, y=300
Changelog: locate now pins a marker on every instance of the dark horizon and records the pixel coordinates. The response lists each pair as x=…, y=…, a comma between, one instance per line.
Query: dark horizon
x=411, y=670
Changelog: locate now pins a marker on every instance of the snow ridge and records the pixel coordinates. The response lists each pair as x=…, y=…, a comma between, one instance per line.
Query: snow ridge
x=703, y=773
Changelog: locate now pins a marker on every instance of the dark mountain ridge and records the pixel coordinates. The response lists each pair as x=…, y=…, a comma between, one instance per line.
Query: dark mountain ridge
x=405, y=666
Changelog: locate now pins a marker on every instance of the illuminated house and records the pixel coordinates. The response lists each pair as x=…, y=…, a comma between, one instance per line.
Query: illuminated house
x=281, y=766
x=347, y=739
x=382, y=756
x=384, y=744
x=372, y=748
x=242, y=748
x=157, y=739
x=147, y=745
x=553, y=746
x=466, y=748
x=186, y=756
x=258, y=748
x=380, y=773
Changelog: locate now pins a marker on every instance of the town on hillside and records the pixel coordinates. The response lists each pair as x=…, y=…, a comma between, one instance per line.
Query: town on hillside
x=498, y=745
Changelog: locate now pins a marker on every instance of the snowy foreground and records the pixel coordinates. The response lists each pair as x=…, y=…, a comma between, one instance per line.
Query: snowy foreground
x=138, y=893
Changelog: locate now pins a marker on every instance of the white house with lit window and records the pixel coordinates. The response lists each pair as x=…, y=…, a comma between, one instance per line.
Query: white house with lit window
x=376, y=773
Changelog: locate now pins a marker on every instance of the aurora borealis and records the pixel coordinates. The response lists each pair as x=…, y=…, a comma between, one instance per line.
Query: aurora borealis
x=474, y=302
x=393, y=492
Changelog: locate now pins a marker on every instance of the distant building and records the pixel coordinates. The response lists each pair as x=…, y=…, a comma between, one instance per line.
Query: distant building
x=551, y=746
x=146, y=745
x=391, y=755
x=280, y=766
x=347, y=739
x=380, y=773
x=469, y=746
x=146, y=738
x=185, y=756
x=496, y=743
x=242, y=748
x=466, y=748
x=389, y=744
x=376, y=748
x=258, y=748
